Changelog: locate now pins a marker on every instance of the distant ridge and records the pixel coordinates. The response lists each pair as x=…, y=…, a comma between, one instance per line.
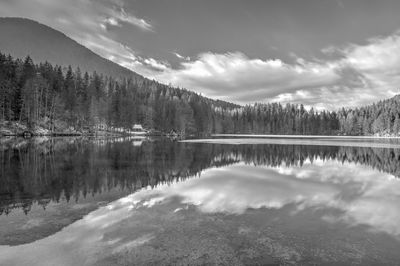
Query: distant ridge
x=21, y=37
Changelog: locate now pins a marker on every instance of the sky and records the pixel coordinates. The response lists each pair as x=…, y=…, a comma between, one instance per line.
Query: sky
x=322, y=53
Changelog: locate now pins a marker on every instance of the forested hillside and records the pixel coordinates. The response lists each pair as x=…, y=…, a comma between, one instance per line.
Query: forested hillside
x=381, y=118
x=42, y=94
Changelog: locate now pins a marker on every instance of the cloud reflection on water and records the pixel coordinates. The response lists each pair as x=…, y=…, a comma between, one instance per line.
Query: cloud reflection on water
x=359, y=194
x=362, y=195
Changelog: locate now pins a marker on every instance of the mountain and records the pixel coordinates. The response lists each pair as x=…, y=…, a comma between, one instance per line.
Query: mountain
x=21, y=37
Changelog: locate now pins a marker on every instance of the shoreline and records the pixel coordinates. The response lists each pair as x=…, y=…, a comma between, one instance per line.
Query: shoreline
x=302, y=136
x=337, y=142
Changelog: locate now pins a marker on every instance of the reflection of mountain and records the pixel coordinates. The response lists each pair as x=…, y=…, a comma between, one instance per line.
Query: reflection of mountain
x=74, y=168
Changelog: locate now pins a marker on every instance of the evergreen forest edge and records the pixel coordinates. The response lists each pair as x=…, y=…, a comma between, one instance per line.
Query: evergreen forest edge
x=52, y=96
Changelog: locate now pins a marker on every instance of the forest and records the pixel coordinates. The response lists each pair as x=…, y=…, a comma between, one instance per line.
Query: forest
x=55, y=98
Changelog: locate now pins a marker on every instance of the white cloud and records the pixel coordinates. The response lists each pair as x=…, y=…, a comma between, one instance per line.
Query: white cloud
x=123, y=16
x=235, y=76
x=156, y=64
x=379, y=61
x=112, y=21
x=360, y=75
x=367, y=73
x=187, y=58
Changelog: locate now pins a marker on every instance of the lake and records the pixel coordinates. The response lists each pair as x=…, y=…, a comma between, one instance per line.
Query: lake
x=235, y=201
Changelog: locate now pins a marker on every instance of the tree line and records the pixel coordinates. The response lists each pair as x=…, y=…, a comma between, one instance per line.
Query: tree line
x=381, y=118
x=43, y=94
x=53, y=97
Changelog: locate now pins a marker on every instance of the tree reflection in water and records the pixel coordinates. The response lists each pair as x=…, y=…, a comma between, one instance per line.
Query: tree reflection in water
x=51, y=170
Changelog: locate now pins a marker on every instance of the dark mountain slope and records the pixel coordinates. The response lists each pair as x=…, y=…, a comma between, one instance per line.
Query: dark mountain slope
x=21, y=37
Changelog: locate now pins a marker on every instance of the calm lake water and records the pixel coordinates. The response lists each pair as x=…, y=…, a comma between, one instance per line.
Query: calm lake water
x=76, y=201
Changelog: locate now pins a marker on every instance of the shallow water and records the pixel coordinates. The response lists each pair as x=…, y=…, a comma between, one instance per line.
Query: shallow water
x=123, y=202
